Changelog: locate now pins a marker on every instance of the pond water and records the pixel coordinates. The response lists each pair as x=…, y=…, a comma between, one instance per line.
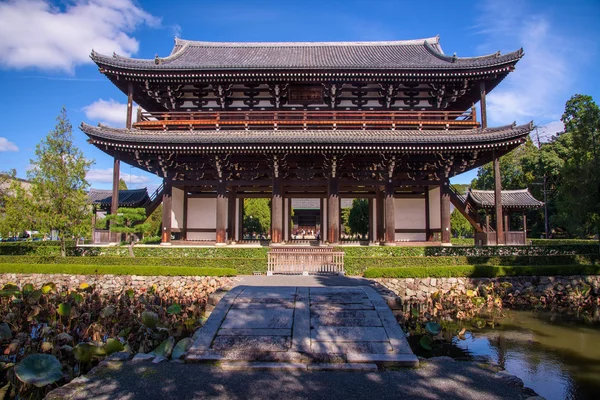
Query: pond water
x=557, y=358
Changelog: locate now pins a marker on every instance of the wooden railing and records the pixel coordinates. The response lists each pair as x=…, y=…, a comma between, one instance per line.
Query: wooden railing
x=275, y=120
x=304, y=260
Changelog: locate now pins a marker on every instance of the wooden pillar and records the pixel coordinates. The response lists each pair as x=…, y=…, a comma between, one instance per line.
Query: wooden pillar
x=370, y=231
x=167, y=207
x=487, y=222
x=379, y=210
x=482, y=93
x=445, y=212
x=525, y=224
x=322, y=228
x=114, y=205
x=390, y=213
x=231, y=214
x=506, y=222
x=185, y=214
x=222, y=205
x=129, y=105
x=240, y=219
x=498, y=201
x=276, y=212
x=333, y=211
x=427, y=216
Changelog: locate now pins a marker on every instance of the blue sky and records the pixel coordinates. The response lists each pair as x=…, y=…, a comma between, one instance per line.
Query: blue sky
x=45, y=47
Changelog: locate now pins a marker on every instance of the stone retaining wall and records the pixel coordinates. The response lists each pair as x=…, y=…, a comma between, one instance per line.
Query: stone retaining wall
x=114, y=283
x=529, y=288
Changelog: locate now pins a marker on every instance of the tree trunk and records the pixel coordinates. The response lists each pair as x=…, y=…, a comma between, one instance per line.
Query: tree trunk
x=63, y=247
x=131, y=249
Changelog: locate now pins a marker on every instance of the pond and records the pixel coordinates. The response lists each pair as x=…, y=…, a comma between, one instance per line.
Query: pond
x=557, y=357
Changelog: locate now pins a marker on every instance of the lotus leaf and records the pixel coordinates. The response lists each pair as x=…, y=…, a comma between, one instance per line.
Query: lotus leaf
x=35, y=310
x=10, y=286
x=9, y=292
x=130, y=293
x=174, y=309
x=478, y=301
x=107, y=311
x=426, y=342
x=39, y=370
x=5, y=333
x=84, y=286
x=77, y=298
x=149, y=319
x=165, y=348
x=64, y=309
x=112, y=346
x=470, y=293
x=84, y=352
x=48, y=288
x=34, y=296
x=433, y=328
x=181, y=348
x=414, y=312
x=64, y=337
x=27, y=288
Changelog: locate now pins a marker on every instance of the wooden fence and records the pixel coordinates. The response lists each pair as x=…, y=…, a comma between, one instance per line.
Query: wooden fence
x=305, y=260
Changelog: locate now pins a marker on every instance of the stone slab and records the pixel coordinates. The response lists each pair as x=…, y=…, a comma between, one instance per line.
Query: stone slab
x=336, y=321
x=301, y=330
x=348, y=334
x=405, y=360
x=351, y=347
x=278, y=318
x=365, y=305
x=244, y=355
x=252, y=343
x=262, y=366
x=270, y=304
x=342, y=367
x=254, y=332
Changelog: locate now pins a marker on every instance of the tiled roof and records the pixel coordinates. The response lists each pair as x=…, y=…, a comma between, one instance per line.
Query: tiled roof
x=510, y=199
x=315, y=204
x=369, y=137
x=127, y=198
x=395, y=55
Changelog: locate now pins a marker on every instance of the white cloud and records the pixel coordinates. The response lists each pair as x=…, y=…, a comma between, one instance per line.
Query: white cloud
x=538, y=88
x=109, y=112
x=36, y=33
x=106, y=176
x=5, y=145
x=550, y=129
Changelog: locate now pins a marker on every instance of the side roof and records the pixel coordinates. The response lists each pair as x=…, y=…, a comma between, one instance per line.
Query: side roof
x=416, y=54
x=521, y=198
x=127, y=198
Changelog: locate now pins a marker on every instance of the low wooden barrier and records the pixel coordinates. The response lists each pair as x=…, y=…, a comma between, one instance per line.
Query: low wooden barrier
x=304, y=260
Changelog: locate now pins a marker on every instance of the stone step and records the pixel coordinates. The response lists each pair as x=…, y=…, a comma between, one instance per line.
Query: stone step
x=282, y=366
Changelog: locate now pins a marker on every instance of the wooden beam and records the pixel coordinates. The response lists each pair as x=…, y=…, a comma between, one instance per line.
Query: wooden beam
x=166, y=215
x=371, y=219
x=379, y=211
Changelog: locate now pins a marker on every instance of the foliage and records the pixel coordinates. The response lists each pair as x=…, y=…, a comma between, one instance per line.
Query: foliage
x=128, y=221
x=459, y=224
x=257, y=216
x=151, y=240
x=17, y=214
x=58, y=183
x=463, y=241
x=91, y=269
x=122, y=184
x=42, y=342
x=358, y=218
x=154, y=222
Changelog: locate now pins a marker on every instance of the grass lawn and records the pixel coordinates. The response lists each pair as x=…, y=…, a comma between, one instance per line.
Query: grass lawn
x=76, y=269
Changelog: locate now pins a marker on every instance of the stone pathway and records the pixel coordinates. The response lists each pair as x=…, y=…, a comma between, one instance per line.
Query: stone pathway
x=302, y=325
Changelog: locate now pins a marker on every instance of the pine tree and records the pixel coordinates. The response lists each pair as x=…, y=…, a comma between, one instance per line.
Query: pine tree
x=58, y=183
x=129, y=221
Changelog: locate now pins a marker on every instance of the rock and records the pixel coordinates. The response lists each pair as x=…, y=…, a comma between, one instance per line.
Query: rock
x=159, y=359
x=433, y=282
x=508, y=379
x=119, y=356
x=142, y=357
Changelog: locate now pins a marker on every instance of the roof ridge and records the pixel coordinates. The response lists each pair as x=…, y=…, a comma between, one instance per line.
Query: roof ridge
x=408, y=42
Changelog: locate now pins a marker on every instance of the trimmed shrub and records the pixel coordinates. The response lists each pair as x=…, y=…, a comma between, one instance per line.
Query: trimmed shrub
x=75, y=269
x=561, y=242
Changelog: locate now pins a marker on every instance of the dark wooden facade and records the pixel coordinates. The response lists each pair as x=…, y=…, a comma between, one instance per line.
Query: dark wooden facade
x=379, y=120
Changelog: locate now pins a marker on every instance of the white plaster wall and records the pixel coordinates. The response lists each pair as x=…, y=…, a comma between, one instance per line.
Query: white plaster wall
x=410, y=214
x=201, y=236
x=177, y=208
x=435, y=216
x=202, y=213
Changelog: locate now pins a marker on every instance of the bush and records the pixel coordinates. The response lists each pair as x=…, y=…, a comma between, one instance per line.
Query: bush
x=151, y=240
x=481, y=271
x=81, y=269
x=561, y=242
x=463, y=241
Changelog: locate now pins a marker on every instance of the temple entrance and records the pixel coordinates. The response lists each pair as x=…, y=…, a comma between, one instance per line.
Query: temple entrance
x=256, y=219
x=356, y=220
x=306, y=220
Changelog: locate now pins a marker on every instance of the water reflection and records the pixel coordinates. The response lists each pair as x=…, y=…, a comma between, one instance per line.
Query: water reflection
x=556, y=358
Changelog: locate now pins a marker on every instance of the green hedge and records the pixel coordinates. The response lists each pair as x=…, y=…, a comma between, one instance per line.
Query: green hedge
x=244, y=266
x=482, y=271
x=463, y=241
x=561, y=242
x=358, y=265
x=75, y=269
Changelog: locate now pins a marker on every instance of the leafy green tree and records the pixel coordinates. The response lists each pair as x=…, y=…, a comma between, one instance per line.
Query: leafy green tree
x=459, y=224
x=154, y=222
x=358, y=218
x=257, y=215
x=58, y=183
x=129, y=221
x=17, y=215
x=122, y=184
x=345, y=217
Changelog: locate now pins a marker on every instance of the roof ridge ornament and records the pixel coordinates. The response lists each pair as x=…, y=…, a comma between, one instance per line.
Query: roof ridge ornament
x=157, y=59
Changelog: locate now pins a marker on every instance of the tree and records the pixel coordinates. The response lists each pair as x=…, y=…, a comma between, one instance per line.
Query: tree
x=257, y=215
x=154, y=222
x=459, y=224
x=128, y=221
x=358, y=218
x=16, y=215
x=122, y=184
x=58, y=183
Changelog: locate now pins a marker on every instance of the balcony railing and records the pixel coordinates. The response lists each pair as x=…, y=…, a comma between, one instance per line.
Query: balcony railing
x=304, y=120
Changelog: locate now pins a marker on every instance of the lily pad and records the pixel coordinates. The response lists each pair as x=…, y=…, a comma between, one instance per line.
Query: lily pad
x=433, y=328
x=426, y=342
x=84, y=287
x=112, y=346
x=5, y=333
x=165, y=348
x=64, y=309
x=39, y=370
x=34, y=296
x=174, y=309
x=149, y=319
x=77, y=298
x=107, y=311
x=48, y=288
x=27, y=288
x=84, y=352
x=181, y=348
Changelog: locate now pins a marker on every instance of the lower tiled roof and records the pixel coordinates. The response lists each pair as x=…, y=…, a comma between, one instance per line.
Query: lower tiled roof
x=127, y=198
x=510, y=199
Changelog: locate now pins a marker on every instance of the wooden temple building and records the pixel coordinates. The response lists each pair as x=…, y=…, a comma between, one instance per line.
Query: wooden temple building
x=390, y=122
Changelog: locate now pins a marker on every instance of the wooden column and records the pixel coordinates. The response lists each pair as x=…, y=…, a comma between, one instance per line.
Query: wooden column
x=231, y=214
x=445, y=212
x=390, y=213
x=498, y=201
x=379, y=210
x=525, y=224
x=276, y=212
x=507, y=222
x=129, y=105
x=482, y=93
x=333, y=211
x=370, y=231
x=427, y=216
x=185, y=214
x=114, y=205
x=222, y=205
x=167, y=207
x=322, y=228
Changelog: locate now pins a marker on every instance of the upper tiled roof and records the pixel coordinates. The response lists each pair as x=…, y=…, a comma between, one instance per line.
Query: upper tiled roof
x=127, y=198
x=294, y=137
x=394, y=55
x=510, y=198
